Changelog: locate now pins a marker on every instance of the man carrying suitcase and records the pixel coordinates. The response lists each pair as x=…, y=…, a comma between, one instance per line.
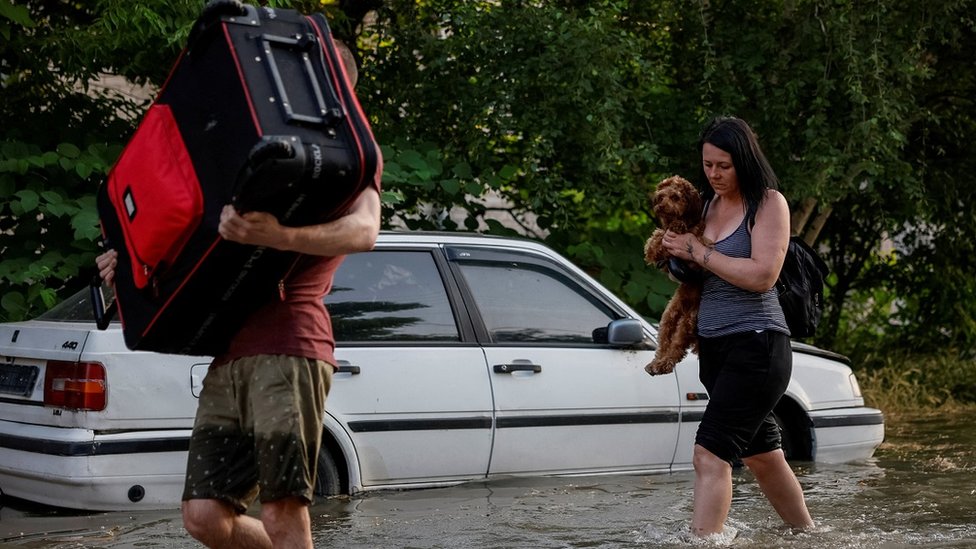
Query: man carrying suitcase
x=258, y=427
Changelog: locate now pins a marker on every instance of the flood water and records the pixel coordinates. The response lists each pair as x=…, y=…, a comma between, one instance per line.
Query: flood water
x=918, y=491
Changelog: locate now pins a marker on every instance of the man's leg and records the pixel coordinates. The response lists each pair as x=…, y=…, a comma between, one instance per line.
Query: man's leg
x=287, y=522
x=713, y=492
x=217, y=524
x=782, y=489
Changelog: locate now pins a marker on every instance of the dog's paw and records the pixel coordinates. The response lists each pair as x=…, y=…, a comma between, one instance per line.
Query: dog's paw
x=657, y=368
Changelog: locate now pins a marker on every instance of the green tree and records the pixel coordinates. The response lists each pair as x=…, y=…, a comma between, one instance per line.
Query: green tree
x=563, y=115
x=544, y=107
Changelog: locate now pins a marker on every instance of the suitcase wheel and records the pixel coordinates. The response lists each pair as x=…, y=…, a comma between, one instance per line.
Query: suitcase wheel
x=273, y=165
x=211, y=14
x=216, y=9
x=270, y=149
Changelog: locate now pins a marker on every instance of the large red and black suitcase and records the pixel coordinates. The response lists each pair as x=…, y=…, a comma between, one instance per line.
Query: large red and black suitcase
x=257, y=112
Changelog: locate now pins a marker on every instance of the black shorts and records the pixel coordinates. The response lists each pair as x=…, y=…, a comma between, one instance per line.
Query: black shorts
x=745, y=375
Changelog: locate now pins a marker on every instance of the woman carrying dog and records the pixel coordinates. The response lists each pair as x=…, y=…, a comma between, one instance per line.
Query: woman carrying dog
x=744, y=344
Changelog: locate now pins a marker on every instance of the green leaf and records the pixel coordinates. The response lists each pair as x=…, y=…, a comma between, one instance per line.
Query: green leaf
x=462, y=170
x=474, y=188
x=83, y=170
x=391, y=197
x=14, y=304
x=29, y=200
x=507, y=172
x=69, y=150
x=52, y=197
x=86, y=225
x=414, y=159
x=450, y=186
x=17, y=14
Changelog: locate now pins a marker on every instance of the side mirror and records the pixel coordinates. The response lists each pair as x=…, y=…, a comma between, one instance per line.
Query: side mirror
x=625, y=332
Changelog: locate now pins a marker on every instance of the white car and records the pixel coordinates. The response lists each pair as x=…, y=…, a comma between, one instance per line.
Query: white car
x=461, y=358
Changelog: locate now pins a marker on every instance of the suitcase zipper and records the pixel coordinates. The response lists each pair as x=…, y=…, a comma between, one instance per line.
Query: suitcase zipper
x=281, y=283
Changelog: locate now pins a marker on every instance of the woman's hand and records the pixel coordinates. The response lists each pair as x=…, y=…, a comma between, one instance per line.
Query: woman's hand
x=685, y=246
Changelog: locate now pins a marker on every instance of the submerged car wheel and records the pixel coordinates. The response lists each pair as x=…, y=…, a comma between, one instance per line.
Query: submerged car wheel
x=327, y=480
x=795, y=432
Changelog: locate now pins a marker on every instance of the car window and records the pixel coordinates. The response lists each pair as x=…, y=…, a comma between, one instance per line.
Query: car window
x=77, y=307
x=526, y=302
x=391, y=296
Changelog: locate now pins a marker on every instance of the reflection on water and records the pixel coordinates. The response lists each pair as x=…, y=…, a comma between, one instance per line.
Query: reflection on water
x=918, y=491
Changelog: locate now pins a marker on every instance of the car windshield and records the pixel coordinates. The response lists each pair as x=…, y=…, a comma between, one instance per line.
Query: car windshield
x=76, y=308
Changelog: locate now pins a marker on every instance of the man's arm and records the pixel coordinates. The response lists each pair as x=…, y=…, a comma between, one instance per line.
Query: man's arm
x=355, y=231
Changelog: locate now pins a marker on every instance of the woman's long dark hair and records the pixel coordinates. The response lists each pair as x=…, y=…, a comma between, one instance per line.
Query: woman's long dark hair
x=735, y=137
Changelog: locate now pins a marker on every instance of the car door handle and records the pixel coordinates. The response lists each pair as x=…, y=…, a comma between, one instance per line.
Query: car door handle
x=344, y=367
x=517, y=367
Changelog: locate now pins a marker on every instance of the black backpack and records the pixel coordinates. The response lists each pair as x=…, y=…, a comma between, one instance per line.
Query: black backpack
x=800, y=287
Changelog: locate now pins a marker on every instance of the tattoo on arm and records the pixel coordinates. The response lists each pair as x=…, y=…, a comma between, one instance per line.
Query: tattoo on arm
x=690, y=249
x=707, y=256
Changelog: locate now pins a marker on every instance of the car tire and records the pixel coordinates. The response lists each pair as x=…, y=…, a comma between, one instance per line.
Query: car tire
x=795, y=434
x=787, y=437
x=327, y=481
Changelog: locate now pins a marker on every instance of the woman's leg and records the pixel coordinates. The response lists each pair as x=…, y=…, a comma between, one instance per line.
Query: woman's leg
x=782, y=489
x=713, y=492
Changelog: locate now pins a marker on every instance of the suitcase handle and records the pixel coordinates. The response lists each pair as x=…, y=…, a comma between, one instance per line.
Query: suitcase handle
x=328, y=109
x=103, y=316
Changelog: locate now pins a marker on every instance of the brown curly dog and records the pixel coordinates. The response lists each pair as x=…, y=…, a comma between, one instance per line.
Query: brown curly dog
x=677, y=205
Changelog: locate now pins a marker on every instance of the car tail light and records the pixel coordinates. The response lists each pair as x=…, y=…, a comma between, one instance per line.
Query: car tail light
x=855, y=387
x=75, y=385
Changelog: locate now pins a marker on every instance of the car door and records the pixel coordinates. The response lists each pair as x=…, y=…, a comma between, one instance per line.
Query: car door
x=565, y=401
x=412, y=389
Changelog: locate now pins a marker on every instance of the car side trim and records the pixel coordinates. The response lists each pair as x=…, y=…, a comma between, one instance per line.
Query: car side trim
x=852, y=420
x=374, y=426
x=588, y=419
x=94, y=448
x=381, y=425
x=692, y=416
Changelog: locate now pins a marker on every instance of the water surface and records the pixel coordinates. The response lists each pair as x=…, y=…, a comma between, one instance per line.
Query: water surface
x=918, y=491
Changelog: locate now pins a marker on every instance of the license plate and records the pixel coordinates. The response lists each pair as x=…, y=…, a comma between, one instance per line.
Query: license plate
x=18, y=380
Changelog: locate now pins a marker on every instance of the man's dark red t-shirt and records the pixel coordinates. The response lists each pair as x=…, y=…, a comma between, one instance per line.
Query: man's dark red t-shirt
x=298, y=324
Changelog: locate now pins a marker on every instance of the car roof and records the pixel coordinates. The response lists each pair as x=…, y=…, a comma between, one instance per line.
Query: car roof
x=456, y=238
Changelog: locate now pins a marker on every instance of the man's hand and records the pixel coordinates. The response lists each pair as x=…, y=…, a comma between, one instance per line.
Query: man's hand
x=355, y=231
x=106, y=263
x=255, y=228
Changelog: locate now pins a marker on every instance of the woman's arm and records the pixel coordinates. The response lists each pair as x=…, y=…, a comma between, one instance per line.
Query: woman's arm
x=770, y=237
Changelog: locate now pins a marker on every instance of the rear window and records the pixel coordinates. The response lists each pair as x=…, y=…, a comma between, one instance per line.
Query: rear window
x=77, y=308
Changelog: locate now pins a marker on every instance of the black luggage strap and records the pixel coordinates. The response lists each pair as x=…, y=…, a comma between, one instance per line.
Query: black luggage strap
x=103, y=316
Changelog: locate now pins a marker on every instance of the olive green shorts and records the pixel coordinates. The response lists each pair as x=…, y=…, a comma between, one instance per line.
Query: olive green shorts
x=258, y=430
